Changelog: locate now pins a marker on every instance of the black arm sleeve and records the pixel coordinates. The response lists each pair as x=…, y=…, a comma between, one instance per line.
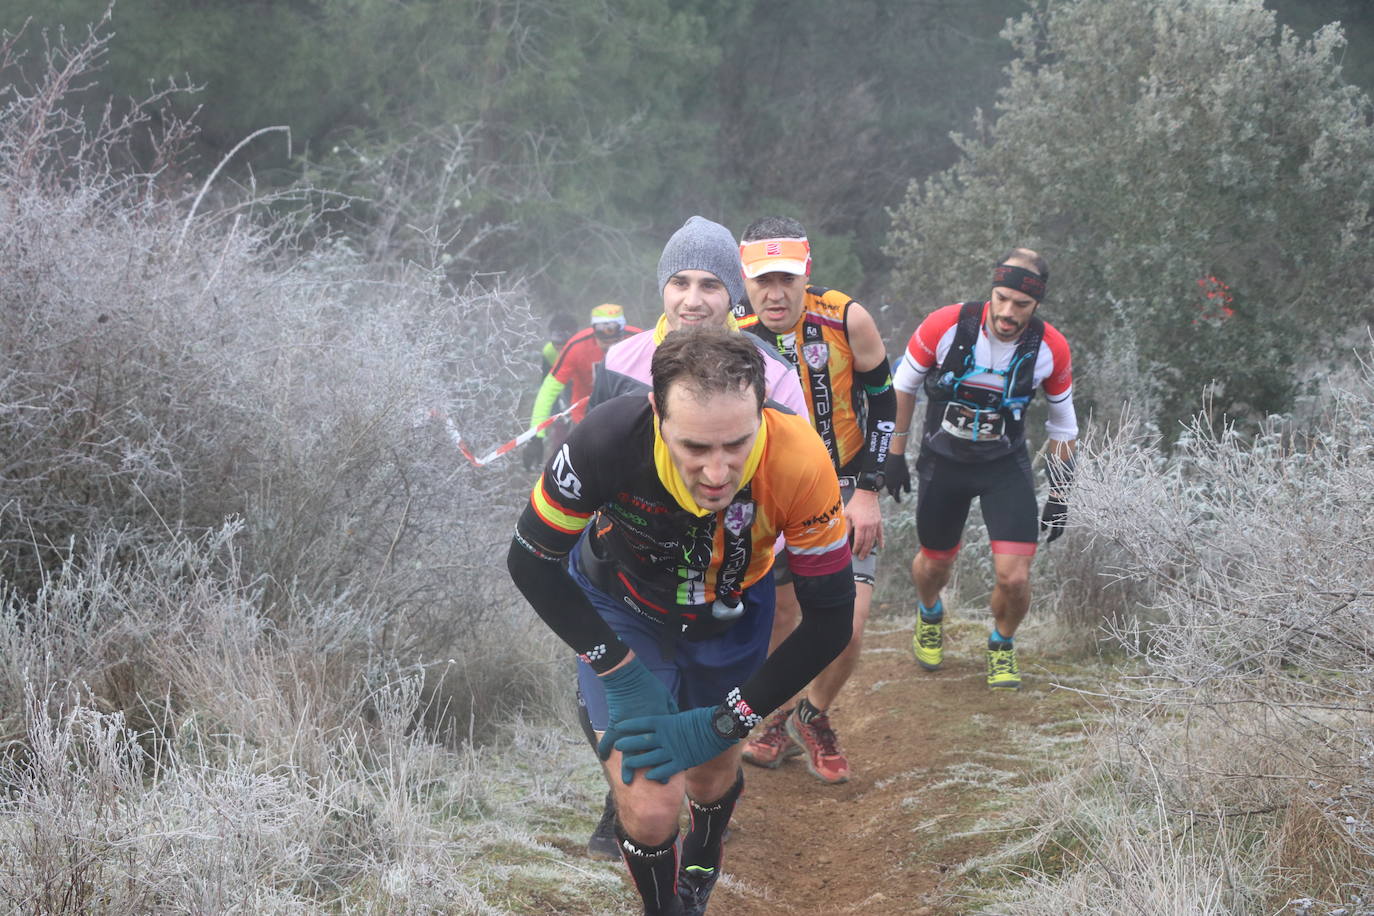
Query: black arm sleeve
x=558, y=601
x=827, y=605
x=881, y=415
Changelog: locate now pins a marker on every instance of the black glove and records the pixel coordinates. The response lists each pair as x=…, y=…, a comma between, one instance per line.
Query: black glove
x=898, y=475
x=533, y=455
x=1053, y=518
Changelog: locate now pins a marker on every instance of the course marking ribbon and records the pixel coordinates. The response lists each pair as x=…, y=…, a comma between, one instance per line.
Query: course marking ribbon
x=452, y=429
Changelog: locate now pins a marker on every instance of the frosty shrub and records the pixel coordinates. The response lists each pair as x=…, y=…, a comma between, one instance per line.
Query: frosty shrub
x=252, y=598
x=281, y=766
x=1240, y=759
x=170, y=359
x=268, y=795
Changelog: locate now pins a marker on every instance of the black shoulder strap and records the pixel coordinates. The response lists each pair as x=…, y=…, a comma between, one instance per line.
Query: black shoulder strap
x=960, y=353
x=1021, y=385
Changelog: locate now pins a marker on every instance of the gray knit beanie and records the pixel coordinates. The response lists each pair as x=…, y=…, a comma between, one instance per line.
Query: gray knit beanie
x=703, y=245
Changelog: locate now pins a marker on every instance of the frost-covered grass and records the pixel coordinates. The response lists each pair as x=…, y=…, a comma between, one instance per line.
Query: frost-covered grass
x=258, y=650
x=1235, y=771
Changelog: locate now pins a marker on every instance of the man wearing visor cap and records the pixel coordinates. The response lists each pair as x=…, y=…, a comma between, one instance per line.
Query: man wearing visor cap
x=834, y=347
x=574, y=367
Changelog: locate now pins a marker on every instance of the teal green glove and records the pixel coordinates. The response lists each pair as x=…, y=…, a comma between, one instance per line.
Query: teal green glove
x=632, y=692
x=669, y=744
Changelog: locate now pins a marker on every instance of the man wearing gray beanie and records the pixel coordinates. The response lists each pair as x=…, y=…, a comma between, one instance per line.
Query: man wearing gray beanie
x=700, y=244
x=700, y=280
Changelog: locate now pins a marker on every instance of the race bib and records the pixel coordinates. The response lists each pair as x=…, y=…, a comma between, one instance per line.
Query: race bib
x=966, y=423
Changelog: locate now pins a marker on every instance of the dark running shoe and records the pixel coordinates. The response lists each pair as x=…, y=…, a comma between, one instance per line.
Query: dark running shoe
x=694, y=884
x=603, y=844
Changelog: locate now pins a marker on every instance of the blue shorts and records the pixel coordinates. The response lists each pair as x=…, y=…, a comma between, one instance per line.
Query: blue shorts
x=700, y=672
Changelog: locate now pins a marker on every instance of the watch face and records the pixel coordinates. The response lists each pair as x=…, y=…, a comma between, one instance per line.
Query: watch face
x=724, y=724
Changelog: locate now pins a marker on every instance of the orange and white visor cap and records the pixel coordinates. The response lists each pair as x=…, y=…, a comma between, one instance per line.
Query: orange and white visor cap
x=790, y=256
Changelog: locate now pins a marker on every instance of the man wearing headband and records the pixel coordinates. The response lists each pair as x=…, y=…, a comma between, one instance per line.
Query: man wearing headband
x=839, y=357
x=979, y=364
x=574, y=366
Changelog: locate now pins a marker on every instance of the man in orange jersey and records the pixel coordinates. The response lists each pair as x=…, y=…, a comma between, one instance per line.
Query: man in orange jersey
x=833, y=345
x=665, y=508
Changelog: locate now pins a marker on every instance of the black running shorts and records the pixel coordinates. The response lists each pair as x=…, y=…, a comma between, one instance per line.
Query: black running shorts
x=1005, y=491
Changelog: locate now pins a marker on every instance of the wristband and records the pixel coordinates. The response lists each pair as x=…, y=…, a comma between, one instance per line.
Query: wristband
x=739, y=710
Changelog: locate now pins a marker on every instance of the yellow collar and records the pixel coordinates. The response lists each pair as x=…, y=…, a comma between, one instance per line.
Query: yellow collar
x=661, y=329
x=673, y=482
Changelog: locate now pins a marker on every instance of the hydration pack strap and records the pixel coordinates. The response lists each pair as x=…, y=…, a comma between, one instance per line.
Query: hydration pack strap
x=1018, y=381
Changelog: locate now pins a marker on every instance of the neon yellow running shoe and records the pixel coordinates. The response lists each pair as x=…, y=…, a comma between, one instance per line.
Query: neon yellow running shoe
x=927, y=644
x=1003, y=674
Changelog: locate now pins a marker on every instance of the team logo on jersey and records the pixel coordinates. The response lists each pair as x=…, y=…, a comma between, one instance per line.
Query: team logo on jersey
x=564, y=477
x=738, y=516
x=816, y=355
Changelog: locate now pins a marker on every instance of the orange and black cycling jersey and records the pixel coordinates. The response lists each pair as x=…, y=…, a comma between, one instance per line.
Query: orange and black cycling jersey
x=667, y=560
x=818, y=346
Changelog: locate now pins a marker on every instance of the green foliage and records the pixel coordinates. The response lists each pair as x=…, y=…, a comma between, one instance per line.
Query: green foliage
x=1144, y=148
x=575, y=120
x=833, y=107
x=561, y=141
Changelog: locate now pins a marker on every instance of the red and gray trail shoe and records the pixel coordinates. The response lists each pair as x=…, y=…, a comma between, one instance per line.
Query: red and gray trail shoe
x=823, y=756
x=774, y=745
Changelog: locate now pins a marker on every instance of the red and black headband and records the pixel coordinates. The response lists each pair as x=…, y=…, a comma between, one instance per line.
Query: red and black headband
x=1020, y=279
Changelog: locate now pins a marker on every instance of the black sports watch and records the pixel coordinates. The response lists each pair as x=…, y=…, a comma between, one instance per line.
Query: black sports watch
x=726, y=724
x=870, y=480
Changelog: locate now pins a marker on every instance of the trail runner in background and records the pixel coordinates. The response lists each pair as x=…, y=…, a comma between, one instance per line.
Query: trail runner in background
x=979, y=364
x=834, y=346
x=667, y=595
x=573, y=367
x=562, y=326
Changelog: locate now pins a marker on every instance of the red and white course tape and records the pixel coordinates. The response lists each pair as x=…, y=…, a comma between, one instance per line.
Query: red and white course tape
x=504, y=447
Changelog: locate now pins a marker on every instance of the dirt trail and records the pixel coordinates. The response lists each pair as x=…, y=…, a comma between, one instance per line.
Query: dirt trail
x=935, y=756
